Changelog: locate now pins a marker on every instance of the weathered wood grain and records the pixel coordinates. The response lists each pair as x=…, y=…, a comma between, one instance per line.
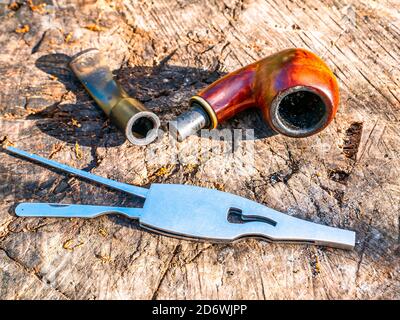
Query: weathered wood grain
x=163, y=52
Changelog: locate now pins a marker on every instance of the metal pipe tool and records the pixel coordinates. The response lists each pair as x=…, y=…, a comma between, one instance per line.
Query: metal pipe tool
x=191, y=212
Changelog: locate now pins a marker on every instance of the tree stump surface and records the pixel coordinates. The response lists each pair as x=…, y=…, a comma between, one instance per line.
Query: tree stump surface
x=163, y=52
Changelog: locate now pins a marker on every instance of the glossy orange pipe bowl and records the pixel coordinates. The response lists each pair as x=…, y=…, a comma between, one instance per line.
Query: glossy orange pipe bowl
x=296, y=92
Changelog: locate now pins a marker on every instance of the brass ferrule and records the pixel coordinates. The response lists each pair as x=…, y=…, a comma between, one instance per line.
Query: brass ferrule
x=128, y=114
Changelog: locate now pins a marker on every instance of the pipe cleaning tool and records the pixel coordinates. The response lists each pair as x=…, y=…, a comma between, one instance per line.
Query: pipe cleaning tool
x=128, y=114
x=296, y=92
x=191, y=212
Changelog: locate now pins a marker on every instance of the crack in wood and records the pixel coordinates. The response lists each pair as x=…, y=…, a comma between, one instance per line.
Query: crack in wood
x=33, y=273
x=166, y=269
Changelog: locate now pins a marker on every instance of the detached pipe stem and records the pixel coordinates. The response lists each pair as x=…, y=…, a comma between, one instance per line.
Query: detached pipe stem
x=296, y=92
x=128, y=114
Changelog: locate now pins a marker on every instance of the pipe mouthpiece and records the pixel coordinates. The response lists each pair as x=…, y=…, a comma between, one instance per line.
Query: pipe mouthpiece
x=128, y=114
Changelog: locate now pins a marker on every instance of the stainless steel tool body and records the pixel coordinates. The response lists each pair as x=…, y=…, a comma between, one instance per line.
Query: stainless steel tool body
x=192, y=212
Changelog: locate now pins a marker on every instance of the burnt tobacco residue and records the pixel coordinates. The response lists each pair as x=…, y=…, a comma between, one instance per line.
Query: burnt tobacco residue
x=301, y=110
x=352, y=139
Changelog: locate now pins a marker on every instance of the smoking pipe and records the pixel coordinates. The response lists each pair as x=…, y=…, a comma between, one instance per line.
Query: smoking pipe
x=128, y=114
x=296, y=92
